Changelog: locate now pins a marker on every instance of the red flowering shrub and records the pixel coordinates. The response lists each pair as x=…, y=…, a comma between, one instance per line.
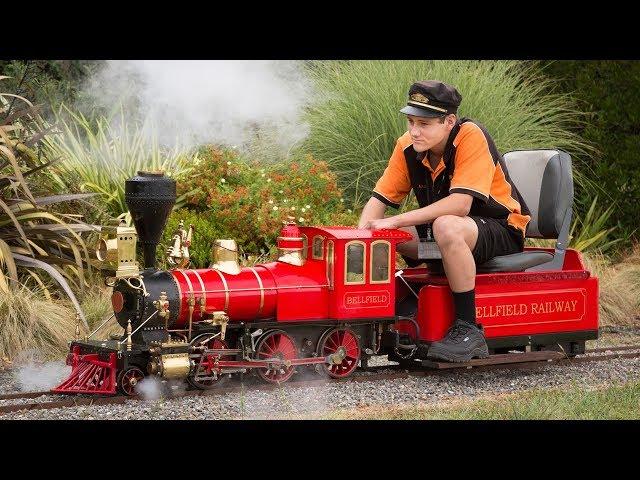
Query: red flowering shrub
x=230, y=196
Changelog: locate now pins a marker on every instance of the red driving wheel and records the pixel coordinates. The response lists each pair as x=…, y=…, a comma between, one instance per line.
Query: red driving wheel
x=276, y=344
x=344, y=341
x=205, y=369
x=129, y=379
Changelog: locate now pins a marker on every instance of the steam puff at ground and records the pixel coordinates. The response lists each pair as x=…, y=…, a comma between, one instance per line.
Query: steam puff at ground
x=150, y=388
x=41, y=376
x=189, y=103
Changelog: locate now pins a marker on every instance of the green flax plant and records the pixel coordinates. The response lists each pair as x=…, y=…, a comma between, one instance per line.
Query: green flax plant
x=355, y=119
x=99, y=155
x=38, y=243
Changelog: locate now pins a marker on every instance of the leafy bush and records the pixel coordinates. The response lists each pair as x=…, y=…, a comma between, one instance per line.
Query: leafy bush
x=608, y=91
x=47, y=83
x=205, y=232
x=228, y=196
x=356, y=120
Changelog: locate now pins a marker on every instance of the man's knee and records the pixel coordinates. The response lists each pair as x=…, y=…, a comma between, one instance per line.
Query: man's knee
x=448, y=230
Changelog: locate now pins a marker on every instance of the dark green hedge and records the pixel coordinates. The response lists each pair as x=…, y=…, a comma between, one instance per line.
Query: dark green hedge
x=610, y=91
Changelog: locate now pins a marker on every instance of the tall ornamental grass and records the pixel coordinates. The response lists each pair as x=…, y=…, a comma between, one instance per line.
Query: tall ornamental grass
x=99, y=155
x=619, y=298
x=30, y=321
x=355, y=119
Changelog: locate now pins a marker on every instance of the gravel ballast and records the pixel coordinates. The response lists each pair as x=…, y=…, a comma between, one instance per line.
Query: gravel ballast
x=315, y=401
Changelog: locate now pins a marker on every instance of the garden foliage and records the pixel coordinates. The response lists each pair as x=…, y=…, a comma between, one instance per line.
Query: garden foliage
x=100, y=155
x=355, y=121
x=229, y=196
x=607, y=91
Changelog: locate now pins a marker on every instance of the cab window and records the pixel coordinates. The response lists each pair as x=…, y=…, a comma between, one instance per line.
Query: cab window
x=380, y=261
x=354, y=263
x=318, y=244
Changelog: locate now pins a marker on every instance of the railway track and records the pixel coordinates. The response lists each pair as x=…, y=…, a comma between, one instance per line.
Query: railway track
x=377, y=373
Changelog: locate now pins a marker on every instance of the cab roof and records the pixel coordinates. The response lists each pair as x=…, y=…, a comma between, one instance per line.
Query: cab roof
x=352, y=233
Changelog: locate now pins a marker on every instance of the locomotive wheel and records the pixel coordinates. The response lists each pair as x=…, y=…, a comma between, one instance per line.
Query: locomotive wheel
x=340, y=340
x=208, y=383
x=128, y=380
x=276, y=344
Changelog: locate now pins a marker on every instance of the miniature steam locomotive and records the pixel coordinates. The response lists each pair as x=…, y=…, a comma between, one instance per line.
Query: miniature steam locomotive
x=331, y=301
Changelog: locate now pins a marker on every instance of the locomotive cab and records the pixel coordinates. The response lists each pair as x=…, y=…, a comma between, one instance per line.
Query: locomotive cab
x=359, y=269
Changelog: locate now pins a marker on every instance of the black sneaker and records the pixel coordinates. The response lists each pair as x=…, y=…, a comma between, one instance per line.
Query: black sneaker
x=462, y=342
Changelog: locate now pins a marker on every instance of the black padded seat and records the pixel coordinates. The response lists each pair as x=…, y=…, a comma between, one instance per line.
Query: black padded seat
x=516, y=262
x=545, y=182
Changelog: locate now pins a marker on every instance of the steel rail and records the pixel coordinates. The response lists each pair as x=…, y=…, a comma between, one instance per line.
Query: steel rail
x=370, y=374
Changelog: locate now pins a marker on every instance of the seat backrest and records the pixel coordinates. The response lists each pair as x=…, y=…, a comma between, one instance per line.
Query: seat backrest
x=545, y=181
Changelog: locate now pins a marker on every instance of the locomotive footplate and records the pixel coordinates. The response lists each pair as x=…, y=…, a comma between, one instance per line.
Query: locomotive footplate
x=498, y=359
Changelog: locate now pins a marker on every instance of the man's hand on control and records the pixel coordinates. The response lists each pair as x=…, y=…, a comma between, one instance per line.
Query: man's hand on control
x=381, y=223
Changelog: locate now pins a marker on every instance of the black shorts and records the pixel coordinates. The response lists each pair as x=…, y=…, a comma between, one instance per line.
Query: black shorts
x=495, y=237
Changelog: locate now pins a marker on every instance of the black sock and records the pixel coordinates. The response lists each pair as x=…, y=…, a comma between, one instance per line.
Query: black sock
x=465, y=306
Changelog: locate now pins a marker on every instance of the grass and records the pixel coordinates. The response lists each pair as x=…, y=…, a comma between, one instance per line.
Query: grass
x=96, y=304
x=615, y=402
x=28, y=320
x=99, y=155
x=355, y=121
x=619, y=287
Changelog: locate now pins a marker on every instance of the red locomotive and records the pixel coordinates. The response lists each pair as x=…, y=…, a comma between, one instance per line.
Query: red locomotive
x=331, y=301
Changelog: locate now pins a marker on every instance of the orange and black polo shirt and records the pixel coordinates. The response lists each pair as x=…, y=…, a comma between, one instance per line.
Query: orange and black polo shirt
x=470, y=164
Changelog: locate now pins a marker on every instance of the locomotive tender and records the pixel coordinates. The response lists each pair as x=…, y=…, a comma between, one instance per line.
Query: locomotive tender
x=331, y=301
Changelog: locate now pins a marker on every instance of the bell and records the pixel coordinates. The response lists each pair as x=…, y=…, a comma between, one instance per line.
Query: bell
x=225, y=257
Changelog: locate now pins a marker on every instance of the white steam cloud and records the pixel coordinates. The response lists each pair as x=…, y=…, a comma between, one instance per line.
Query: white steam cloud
x=188, y=103
x=33, y=374
x=150, y=388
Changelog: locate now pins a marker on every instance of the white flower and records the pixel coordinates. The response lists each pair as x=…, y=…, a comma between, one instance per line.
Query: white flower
x=263, y=175
x=301, y=219
x=285, y=200
x=303, y=209
x=270, y=202
x=228, y=163
x=307, y=207
x=279, y=191
x=222, y=180
x=293, y=208
x=268, y=179
x=342, y=200
x=275, y=207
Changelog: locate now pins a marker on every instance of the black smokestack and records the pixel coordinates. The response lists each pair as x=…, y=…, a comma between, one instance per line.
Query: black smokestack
x=150, y=197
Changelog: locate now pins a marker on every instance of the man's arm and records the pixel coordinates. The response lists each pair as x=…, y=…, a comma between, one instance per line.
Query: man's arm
x=454, y=204
x=373, y=210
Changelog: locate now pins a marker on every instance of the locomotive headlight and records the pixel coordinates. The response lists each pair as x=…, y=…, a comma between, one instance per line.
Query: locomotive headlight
x=116, y=250
x=107, y=250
